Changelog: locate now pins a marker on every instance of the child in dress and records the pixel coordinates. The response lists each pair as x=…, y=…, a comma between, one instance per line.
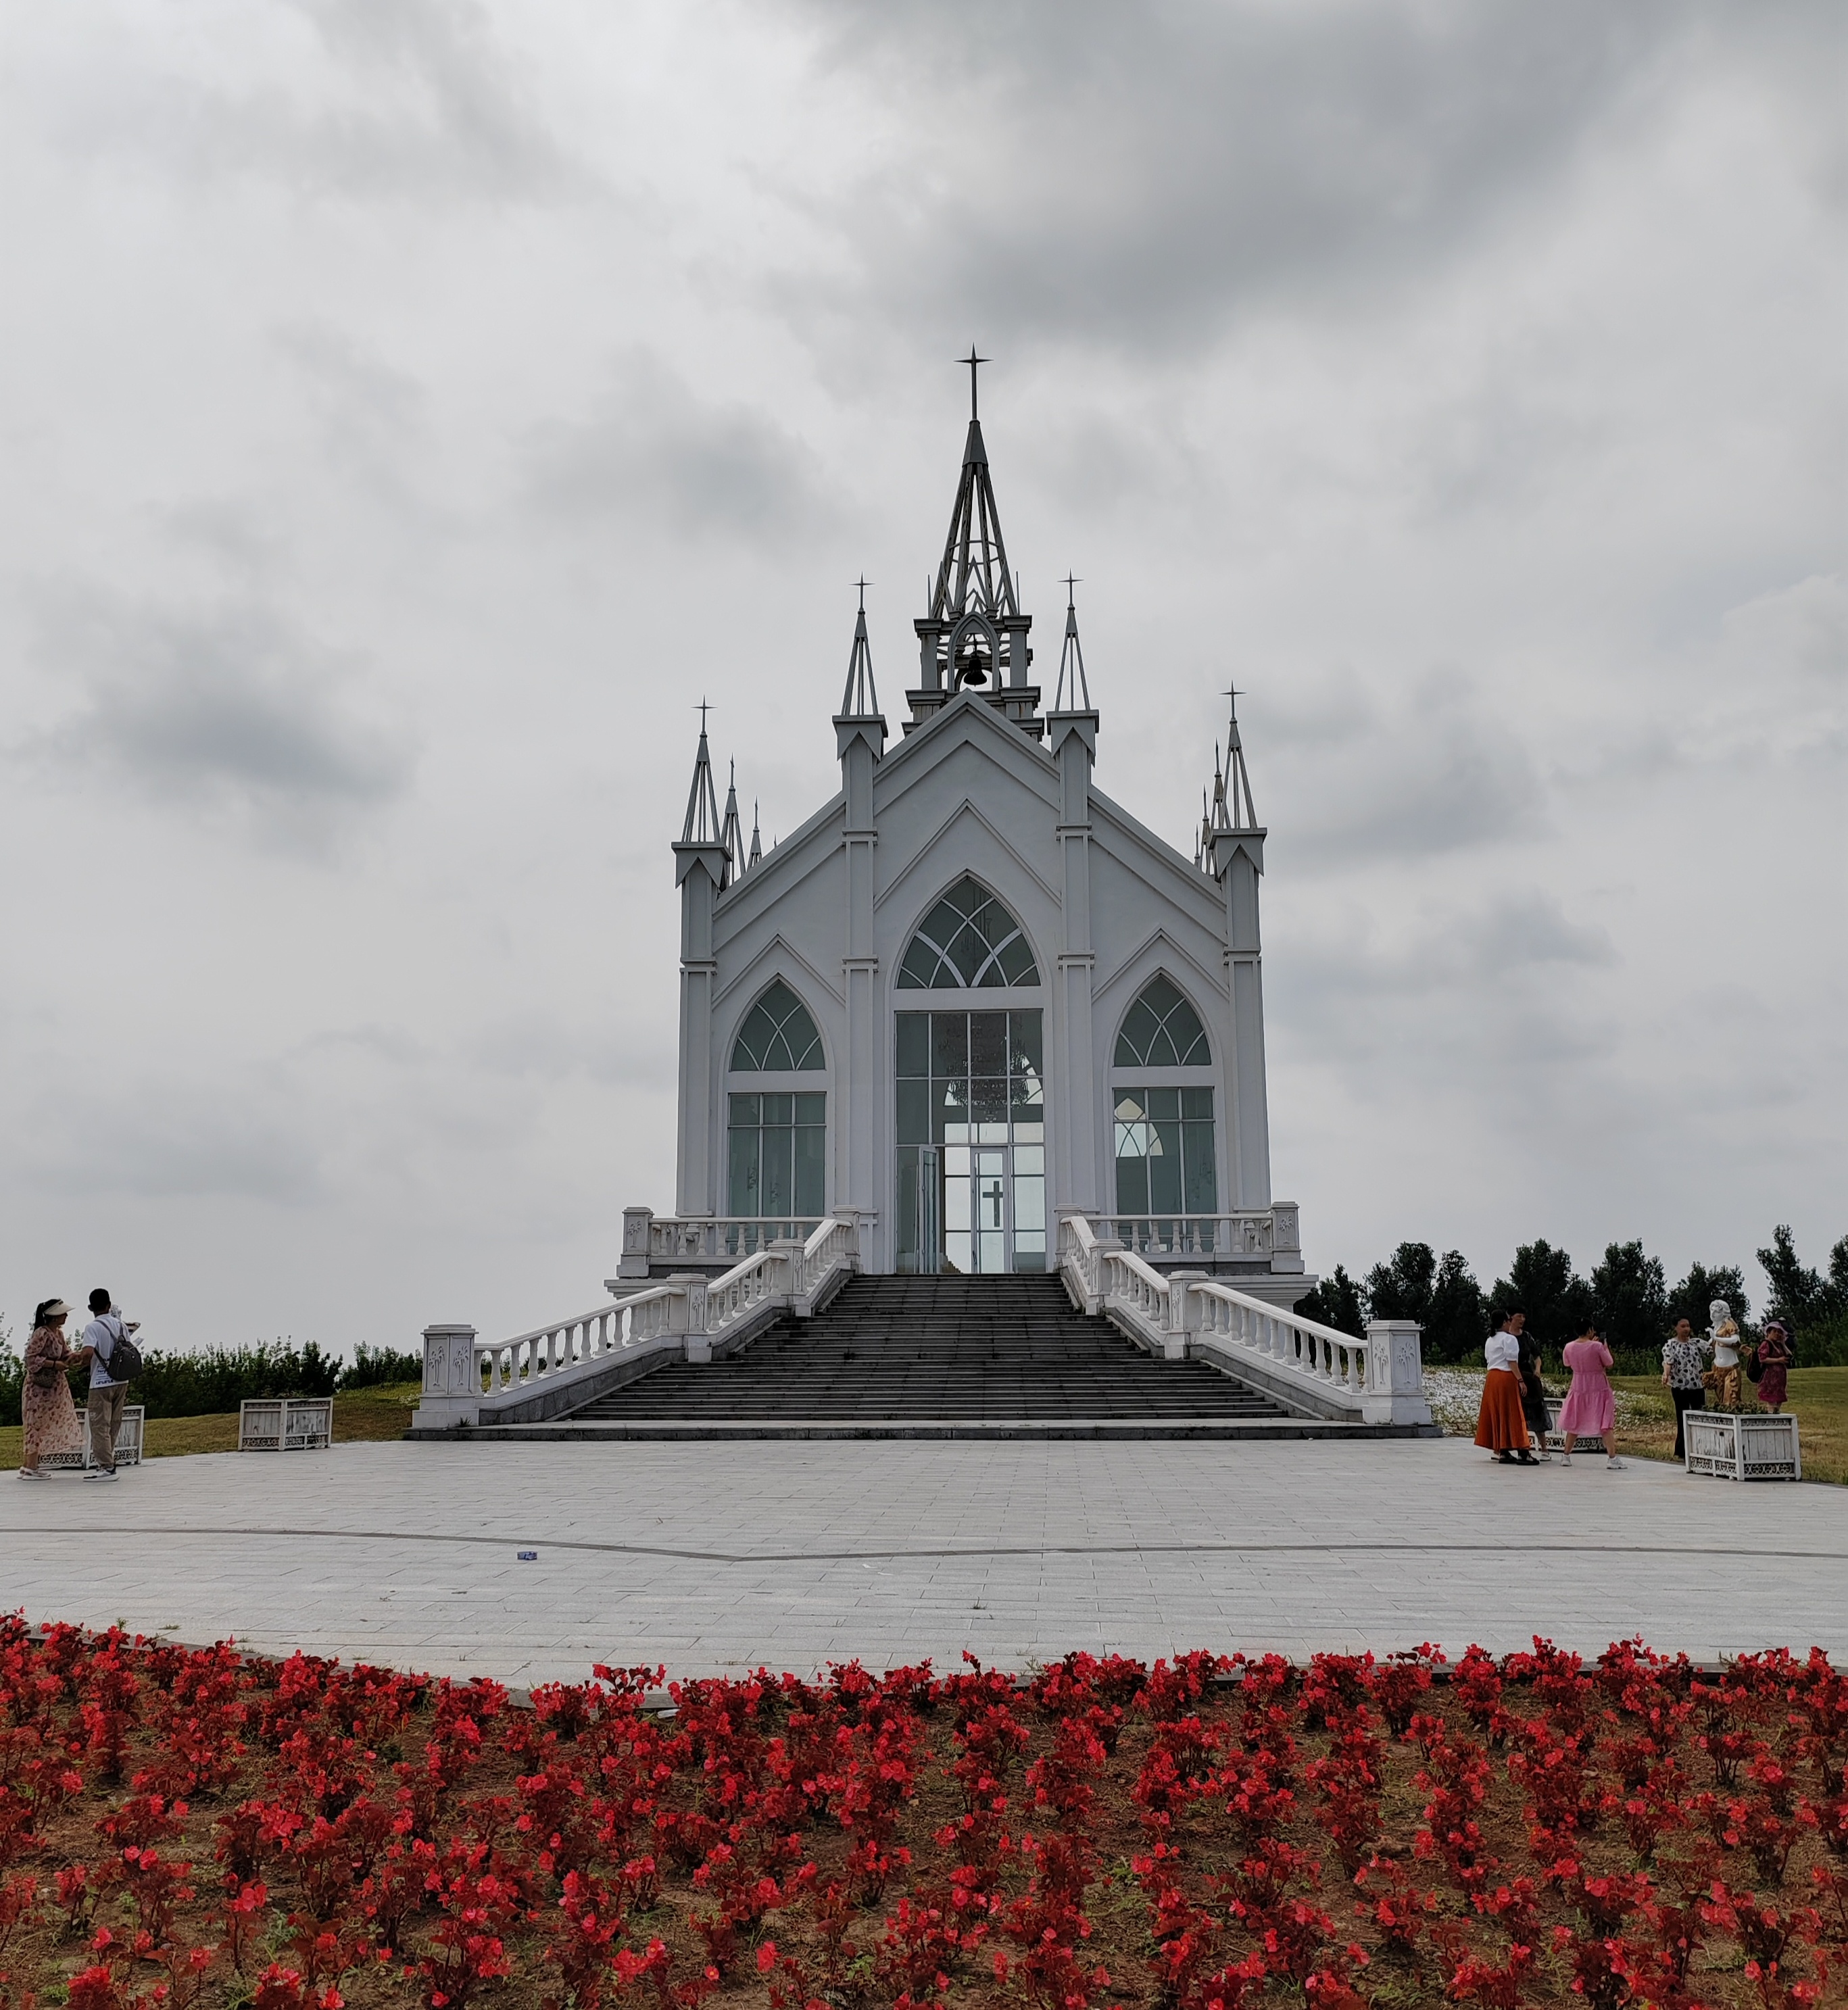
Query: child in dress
x=1590, y=1408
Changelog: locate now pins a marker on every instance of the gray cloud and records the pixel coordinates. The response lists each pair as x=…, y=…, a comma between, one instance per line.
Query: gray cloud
x=414, y=101
x=1391, y=334
x=540, y=1047
x=1428, y=769
x=210, y=706
x=652, y=455
x=204, y=1139
x=1093, y=173
x=371, y=414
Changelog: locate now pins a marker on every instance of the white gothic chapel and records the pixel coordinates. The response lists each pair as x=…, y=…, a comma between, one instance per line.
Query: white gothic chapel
x=972, y=993
x=973, y=1137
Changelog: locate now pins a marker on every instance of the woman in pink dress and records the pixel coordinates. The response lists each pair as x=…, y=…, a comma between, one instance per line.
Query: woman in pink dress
x=1590, y=1408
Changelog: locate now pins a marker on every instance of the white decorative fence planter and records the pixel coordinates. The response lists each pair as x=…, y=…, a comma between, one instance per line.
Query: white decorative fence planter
x=286, y=1423
x=1729, y=1445
x=1585, y=1441
x=128, y=1443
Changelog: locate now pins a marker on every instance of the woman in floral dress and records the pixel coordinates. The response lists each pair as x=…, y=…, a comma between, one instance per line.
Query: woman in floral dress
x=50, y=1416
x=1774, y=1366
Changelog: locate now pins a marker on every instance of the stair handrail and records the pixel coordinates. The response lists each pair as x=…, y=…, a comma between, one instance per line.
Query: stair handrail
x=740, y=1291
x=686, y=1312
x=1286, y=1341
x=500, y=1366
x=835, y=1241
x=1137, y=1298
x=1078, y=1261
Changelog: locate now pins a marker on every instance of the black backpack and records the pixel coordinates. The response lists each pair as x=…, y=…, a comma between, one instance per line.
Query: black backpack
x=124, y=1363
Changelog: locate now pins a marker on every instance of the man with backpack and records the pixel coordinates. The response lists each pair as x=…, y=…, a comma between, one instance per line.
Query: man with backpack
x=114, y=1360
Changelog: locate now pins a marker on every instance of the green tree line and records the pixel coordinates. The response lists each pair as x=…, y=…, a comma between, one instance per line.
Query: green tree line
x=218, y=1378
x=1628, y=1294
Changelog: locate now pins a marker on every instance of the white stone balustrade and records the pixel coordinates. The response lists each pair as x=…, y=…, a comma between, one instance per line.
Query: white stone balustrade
x=1270, y=1232
x=555, y=1368
x=650, y=1241
x=1308, y=1368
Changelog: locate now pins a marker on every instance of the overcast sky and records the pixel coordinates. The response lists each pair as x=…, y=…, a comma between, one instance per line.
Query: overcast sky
x=413, y=407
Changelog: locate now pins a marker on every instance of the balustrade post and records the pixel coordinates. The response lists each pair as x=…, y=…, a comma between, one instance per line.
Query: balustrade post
x=1185, y=1308
x=787, y=1280
x=1393, y=1384
x=451, y=1390
x=638, y=1234
x=687, y=1314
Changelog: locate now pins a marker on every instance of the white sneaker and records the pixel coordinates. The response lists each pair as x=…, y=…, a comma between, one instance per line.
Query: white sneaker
x=1616, y=1465
x=1566, y=1458
x=99, y=1472
x=28, y=1473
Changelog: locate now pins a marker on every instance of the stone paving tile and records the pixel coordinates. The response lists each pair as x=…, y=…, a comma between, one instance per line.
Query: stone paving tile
x=792, y=1555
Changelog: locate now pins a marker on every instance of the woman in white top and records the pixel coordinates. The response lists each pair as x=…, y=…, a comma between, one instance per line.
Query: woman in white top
x=1501, y=1425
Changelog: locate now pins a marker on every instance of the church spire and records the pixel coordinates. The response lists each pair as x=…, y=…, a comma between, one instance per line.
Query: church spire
x=861, y=699
x=702, y=825
x=756, y=857
x=972, y=634
x=732, y=837
x=1072, y=658
x=973, y=577
x=1232, y=825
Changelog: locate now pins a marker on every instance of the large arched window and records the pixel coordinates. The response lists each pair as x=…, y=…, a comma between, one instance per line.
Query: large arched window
x=1162, y=1030
x=777, y=1035
x=777, y=1137
x=967, y=942
x=1165, y=1148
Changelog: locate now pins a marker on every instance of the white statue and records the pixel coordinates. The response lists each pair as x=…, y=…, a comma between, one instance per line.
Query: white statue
x=1723, y=1334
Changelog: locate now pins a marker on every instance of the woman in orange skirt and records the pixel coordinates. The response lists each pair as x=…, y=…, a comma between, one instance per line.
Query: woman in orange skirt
x=1501, y=1424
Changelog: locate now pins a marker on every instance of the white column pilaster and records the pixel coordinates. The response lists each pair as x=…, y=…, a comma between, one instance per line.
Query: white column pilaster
x=1072, y=1116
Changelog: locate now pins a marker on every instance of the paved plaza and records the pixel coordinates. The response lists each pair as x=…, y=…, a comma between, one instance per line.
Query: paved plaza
x=792, y=1553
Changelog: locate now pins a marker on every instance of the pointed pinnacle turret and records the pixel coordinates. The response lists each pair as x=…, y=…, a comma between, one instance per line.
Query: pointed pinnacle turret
x=861, y=699
x=703, y=824
x=756, y=857
x=1244, y=812
x=1072, y=658
x=732, y=837
x=1232, y=828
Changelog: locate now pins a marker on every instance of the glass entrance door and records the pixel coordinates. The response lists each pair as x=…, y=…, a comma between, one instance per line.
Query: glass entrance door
x=971, y=1123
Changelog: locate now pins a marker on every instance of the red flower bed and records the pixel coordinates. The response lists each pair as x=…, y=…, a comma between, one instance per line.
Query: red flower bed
x=181, y=1828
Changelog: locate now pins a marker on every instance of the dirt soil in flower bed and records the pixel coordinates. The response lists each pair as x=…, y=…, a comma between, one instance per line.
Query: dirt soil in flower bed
x=181, y=1826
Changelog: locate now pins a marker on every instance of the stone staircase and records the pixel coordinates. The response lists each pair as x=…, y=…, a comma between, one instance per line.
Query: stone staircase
x=945, y=1356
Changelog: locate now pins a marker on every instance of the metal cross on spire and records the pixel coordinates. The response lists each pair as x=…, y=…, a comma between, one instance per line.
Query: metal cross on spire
x=862, y=583
x=972, y=362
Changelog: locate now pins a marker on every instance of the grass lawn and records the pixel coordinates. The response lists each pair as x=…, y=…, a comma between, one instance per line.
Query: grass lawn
x=366, y=1415
x=1819, y=1396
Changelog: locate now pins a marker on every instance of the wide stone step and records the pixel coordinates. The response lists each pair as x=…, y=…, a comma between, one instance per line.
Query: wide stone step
x=940, y=1352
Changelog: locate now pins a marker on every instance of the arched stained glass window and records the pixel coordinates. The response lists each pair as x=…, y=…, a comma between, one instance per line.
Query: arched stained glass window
x=777, y=1035
x=1162, y=1030
x=967, y=942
